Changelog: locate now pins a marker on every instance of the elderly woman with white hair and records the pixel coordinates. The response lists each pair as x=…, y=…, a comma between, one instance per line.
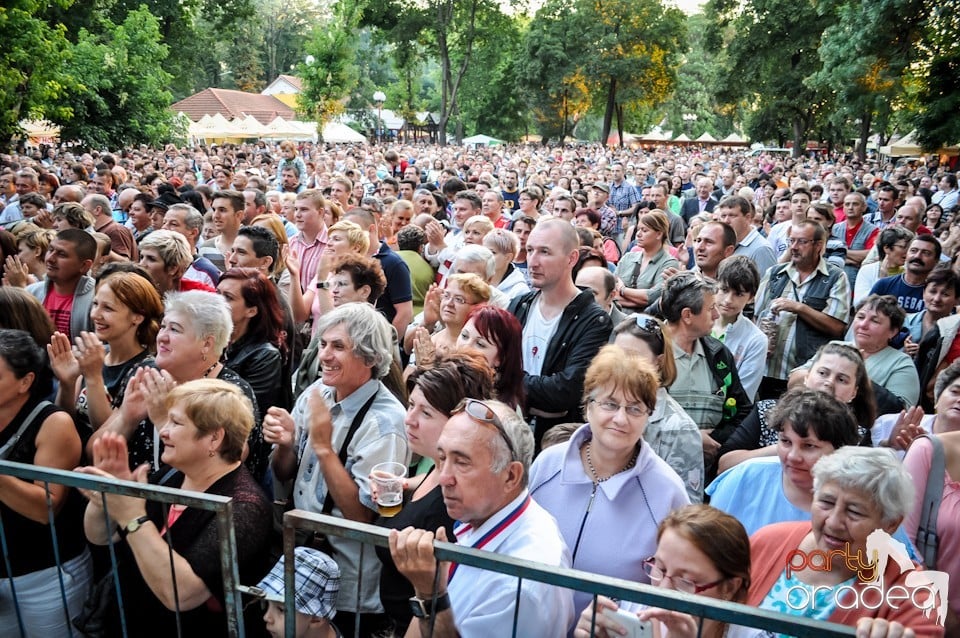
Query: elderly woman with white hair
x=166, y=255
x=480, y=261
x=860, y=496
x=195, y=331
x=507, y=278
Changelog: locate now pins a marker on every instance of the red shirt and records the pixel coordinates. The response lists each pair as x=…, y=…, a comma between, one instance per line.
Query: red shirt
x=59, y=308
x=192, y=284
x=852, y=232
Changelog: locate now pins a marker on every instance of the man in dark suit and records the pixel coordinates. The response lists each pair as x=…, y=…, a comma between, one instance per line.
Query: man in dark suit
x=702, y=203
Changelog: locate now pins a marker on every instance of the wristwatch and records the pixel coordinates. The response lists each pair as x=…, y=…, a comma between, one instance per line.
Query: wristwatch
x=323, y=285
x=421, y=608
x=133, y=526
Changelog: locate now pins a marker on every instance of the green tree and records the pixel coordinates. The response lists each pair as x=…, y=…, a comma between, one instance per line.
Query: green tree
x=124, y=100
x=768, y=49
x=449, y=29
x=694, y=93
x=490, y=100
x=286, y=27
x=632, y=50
x=328, y=73
x=32, y=75
x=865, y=62
x=550, y=74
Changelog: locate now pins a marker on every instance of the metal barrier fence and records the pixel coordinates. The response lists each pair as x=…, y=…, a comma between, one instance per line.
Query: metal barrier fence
x=221, y=505
x=698, y=606
x=371, y=535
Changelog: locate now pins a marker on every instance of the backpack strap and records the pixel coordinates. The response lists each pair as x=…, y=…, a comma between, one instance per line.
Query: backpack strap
x=927, y=539
x=354, y=426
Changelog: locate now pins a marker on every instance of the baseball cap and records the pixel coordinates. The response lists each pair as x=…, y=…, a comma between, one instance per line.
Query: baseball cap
x=602, y=186
x=316, y=583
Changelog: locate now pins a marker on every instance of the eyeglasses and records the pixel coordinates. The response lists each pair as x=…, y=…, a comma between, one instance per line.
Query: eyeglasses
x=657, y=576
x=480, y=411
x=796, y=241
x=633, y=410
x=460, y=300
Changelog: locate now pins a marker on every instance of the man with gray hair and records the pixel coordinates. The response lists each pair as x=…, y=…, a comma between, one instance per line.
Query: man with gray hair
x=341, y=426
x=485, y=450
x=121, y=239
x=188, y=221
x=707, y=386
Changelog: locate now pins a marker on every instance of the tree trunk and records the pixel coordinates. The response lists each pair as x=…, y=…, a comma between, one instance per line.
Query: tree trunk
x=866, y=120
x=619, y=108
x=799, y=133
x=608, y=113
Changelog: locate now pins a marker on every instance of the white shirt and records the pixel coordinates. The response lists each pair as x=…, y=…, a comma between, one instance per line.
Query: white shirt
x=483, y=602
x=536, y=339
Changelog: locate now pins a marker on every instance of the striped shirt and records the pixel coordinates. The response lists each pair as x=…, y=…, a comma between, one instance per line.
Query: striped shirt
x=309, y=255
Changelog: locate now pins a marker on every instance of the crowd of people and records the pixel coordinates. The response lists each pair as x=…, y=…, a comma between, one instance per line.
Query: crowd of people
x=679, y=367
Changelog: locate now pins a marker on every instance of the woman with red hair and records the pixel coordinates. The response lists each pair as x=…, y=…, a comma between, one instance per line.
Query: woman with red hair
x=497, y=335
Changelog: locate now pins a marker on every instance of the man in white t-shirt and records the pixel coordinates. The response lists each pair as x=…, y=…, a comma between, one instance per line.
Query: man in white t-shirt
x=563, y=327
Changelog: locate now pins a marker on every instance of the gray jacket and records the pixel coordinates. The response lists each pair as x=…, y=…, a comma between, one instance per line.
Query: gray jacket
x=82, y=301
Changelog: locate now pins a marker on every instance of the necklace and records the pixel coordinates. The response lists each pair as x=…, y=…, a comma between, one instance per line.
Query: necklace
x=593, y=470
x=210, y=369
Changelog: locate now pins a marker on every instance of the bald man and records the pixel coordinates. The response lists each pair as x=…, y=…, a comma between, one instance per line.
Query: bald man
x=563, y=327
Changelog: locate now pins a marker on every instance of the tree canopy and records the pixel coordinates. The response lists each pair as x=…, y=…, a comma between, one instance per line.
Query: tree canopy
x=777, y=70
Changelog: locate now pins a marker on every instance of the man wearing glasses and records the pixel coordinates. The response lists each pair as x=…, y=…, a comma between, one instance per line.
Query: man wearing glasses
x=484, y=455
x=806, y=301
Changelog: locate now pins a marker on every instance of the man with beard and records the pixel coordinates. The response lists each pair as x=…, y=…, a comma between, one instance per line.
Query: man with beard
x=922, y=255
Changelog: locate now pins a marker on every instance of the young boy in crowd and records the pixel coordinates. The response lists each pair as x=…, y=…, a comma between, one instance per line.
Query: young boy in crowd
x=737, y=283
x=316, y=585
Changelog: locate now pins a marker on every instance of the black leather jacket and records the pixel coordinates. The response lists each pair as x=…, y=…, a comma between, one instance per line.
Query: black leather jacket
x=261, y=365
x=584, y=328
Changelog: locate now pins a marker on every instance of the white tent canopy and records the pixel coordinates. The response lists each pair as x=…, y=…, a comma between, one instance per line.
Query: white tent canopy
x=733, y=138
x=339, y=133
x=480, y=140
x=706, y=137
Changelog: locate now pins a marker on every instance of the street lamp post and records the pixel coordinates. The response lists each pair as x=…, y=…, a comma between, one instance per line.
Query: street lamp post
x=688, y=120
x=379, y=98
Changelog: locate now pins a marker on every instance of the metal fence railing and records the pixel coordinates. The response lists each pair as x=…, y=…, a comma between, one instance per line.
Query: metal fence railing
x=221, y=506
x=369, y=536
x=698, y=606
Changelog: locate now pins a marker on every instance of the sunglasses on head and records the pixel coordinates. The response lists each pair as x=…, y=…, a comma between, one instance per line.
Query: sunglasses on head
x=480, y=411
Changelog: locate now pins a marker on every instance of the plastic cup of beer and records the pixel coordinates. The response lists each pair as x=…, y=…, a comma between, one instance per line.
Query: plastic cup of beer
x=389, y=480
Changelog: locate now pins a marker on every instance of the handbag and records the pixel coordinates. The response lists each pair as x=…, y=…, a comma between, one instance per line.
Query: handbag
x=100, y=616
x=927, y=538
x=100, y=612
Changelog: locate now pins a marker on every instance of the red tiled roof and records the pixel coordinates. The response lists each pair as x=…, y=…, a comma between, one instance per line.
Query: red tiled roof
x=293, y=80
x=232, y=104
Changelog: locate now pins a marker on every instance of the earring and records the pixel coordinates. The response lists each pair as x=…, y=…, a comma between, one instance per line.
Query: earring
x=211, y=454
x=204, y=356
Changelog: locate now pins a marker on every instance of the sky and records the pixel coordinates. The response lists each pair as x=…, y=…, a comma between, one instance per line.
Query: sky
x=689, y=6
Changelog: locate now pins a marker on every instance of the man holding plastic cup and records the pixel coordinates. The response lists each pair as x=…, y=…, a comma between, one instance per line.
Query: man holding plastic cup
x=341, y=427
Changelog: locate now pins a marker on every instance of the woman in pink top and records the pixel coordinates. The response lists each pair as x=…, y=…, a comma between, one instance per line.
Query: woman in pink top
x=946, y=427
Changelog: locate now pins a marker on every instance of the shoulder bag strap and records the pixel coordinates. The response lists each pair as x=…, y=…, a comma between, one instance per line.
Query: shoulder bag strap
x=927, y=539
x=354, y=426
x=27, y=422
